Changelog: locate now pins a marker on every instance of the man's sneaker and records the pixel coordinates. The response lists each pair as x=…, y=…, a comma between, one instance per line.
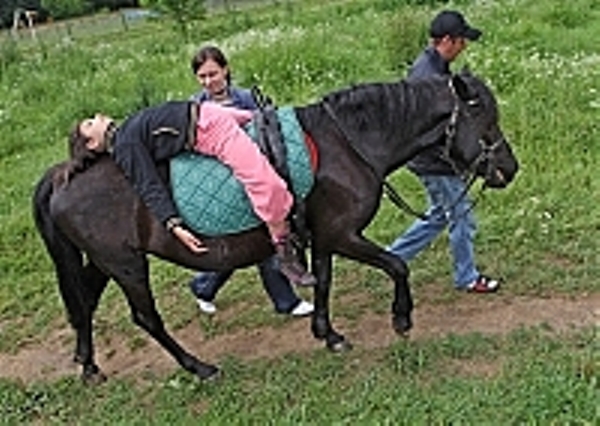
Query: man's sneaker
x=483, y=284
x=303, y=309
x=206, y=306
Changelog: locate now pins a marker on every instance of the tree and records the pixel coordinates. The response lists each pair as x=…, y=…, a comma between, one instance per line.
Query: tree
x=114, y=4
x=183, y=12
x=60, y=9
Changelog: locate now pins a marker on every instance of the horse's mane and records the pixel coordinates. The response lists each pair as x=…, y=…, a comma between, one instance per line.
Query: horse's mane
x=370, y=105
x=376, y=105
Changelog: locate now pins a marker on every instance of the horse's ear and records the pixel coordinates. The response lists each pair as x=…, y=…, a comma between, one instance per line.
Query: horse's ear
x=466, y=71
x=461, y=87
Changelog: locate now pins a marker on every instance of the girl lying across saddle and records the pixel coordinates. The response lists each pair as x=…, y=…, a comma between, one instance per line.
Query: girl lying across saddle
x=158, y=133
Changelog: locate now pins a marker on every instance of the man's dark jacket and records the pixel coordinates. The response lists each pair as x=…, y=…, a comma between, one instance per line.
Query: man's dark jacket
x=430, y=161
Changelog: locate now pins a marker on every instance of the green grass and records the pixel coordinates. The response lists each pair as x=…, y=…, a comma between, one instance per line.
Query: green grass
x=523, y=378
x=540, y=235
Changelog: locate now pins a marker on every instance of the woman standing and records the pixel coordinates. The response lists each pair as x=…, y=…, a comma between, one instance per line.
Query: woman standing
x=211, y=68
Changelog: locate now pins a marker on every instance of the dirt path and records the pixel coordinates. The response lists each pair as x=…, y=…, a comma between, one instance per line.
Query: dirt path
x=488, y=315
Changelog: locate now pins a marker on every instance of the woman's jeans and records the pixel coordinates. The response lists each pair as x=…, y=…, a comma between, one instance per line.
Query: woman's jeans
x=450, y=206
x=205, y=285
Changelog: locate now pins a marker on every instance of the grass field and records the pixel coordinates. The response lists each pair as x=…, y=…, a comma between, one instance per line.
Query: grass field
x=540, y=235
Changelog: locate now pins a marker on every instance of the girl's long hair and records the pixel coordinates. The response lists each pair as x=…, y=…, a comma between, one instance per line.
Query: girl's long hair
x=80, y=157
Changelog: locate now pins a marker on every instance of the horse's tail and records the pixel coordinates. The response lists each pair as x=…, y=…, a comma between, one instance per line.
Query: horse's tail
x=67, y=258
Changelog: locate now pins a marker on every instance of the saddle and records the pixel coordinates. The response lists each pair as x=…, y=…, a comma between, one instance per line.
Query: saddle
x=213, y=202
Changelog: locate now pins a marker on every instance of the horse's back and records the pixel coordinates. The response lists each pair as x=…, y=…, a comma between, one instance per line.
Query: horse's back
x=97, y=208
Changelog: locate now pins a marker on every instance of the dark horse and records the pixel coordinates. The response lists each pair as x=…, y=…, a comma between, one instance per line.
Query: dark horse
x=96, y=228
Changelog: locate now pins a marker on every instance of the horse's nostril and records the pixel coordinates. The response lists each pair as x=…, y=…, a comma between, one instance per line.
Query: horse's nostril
x=500, y=176
x=496, y=180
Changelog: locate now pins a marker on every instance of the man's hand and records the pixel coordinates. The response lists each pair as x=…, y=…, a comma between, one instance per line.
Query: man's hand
x=189, y=240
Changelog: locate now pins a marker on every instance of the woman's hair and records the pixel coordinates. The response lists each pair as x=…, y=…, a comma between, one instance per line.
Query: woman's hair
x=210, y=52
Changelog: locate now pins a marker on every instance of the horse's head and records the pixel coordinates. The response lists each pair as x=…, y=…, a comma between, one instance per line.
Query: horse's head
x=475, y=143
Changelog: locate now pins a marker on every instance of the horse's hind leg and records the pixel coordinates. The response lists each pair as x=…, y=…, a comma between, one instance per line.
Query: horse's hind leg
x=93, y=284
x=133, y=277
x=73, y=278
x=80, y=289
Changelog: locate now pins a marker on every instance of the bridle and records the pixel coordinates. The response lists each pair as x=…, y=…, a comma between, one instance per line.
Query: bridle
x=450, y=138
x=469, y=173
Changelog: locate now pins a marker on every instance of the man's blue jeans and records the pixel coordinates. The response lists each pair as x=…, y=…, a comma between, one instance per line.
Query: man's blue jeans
x=205, y=285
x=448, y=206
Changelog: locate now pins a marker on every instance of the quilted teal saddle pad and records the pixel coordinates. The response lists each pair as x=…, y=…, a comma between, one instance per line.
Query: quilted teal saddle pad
x=211, y=200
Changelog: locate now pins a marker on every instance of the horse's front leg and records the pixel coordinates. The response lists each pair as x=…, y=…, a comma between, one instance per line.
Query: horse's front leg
x=402, y=305
x=321, y=324
x=365, y=251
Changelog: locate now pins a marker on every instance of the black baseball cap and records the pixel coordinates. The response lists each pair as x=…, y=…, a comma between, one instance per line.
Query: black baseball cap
x=453, y=24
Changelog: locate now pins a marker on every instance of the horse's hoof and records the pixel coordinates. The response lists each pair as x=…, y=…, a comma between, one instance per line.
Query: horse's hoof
x=210, y=374
x=339, y=346
x=403, y=334
x=402, y=326
x=93, y=379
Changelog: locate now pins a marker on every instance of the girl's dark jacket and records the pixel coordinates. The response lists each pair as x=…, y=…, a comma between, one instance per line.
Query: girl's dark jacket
x=148, y=138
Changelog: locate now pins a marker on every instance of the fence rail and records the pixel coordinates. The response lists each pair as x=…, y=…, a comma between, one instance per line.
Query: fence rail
x=78, y=28
x=105, y=24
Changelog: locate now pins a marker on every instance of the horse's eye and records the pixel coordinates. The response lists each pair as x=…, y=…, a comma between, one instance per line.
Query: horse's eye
x=473, y=102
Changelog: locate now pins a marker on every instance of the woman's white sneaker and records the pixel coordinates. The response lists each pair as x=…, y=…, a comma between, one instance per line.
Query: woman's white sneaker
x=303, y=309
x=206, y=306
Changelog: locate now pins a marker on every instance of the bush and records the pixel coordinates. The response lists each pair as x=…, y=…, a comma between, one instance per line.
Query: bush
x=61, y=9
x=408, y=36
x=182, y=12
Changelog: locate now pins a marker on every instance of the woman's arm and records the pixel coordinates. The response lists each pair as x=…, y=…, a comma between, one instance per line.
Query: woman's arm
x=241, y=116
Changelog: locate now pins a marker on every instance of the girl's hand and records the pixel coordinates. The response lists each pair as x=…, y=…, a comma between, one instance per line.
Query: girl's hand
x=189, y=240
